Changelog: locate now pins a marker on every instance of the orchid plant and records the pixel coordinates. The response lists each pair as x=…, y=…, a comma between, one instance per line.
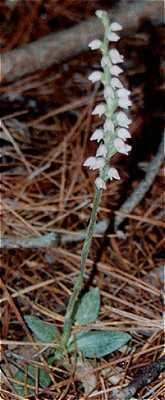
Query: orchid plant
x=111, y=138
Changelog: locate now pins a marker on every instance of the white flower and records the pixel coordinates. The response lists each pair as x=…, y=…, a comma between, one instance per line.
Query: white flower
x=90, y=162
x=108, y=125
x=100, y=184
x=95, y=44
x=124, y=103
x=105, y=61
x=121, y=147
x=113, y=174
x=109, y=93
x=99, y=163
x=122, y=119
x=115, y=56
x=113, y=37
x=115, y=70
x=123, y=133
x=95, y=76
x=123, y=92
x=101, y=151
x=97, y=135
x=94, y=163
x=116, y=84
x=99, y=109
x=101, y=13
x=115, y=26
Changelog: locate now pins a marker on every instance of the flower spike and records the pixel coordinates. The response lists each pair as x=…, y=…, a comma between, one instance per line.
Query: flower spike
x=114, y=133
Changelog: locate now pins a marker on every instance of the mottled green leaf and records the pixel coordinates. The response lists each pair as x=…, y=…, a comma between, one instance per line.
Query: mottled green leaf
x=44, y=331
x=28, y=378
x=44, y=378
x=23, y=390
x=96, y=344
x=89, y=307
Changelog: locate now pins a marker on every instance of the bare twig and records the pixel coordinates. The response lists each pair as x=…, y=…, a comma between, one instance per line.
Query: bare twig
x=30, y=242
x=57, y=47
x=142, y=189
x=145, y=376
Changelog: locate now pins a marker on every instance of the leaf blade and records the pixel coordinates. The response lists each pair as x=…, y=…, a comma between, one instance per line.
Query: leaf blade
x=28, y=378
x=44, y=331
x=96, y=344
x=89, y=307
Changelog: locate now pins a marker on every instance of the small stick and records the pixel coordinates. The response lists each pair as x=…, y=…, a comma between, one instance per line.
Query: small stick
x=145, y=376
x=138, y=194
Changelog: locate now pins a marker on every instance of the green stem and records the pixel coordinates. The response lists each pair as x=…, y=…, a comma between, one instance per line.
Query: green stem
x=80, y=279
x=87, y=242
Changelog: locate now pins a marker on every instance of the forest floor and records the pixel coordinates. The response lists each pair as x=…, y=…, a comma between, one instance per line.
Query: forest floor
x=46, y=126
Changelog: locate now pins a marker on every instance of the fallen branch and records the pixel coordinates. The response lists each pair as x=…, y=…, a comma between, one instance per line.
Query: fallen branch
x=143, y=378
x=58, y=47
x=50, y=239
